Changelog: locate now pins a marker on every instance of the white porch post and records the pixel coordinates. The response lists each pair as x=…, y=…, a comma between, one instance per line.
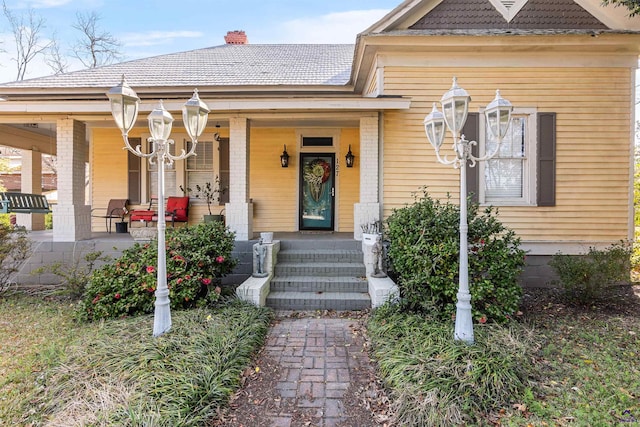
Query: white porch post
x=71, y=217
x=368, y=210
x=239, y=210
x=31, y=182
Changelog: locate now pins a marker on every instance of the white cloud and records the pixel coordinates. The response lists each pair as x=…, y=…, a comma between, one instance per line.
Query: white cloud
x=38, y=4
x=340, y=27
x=153, y=38
x=46, y=4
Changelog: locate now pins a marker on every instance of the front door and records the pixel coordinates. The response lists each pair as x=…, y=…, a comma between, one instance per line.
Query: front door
x=317, y=191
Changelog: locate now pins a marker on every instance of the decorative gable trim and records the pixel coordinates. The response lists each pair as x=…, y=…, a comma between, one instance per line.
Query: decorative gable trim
x=616, y=18
x=508, y=8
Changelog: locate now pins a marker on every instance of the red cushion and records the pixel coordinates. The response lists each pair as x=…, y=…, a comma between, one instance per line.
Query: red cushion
x=142, y=215
x=179, y=207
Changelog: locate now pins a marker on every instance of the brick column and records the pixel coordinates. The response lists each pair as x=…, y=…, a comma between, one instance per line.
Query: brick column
x=71, y=217
x=31, y=182
x=368, y=210
x=239, y=210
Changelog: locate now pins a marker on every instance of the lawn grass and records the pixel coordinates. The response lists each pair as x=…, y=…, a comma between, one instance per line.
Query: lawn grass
x=581, y=367
x=587, y=371
x=115, y=372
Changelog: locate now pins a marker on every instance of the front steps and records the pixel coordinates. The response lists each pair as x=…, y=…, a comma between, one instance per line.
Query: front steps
x=319, y=275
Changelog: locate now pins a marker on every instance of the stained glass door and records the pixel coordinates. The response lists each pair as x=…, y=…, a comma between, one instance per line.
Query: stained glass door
x=317, y=191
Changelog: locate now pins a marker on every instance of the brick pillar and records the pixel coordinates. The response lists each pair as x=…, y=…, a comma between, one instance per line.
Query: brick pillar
x=368, y=210
x=71, y=217
x=239, y=210
x=31, y=182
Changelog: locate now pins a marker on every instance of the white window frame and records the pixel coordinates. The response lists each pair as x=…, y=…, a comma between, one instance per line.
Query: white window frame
x=529, y=173
x=215, y=169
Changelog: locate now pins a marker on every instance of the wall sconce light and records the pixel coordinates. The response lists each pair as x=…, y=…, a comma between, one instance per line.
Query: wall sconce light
x=350, y=158
x=284, y=158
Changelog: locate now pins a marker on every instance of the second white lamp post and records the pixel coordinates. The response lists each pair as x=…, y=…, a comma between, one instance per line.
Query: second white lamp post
x=455, y=105
x=124, y=107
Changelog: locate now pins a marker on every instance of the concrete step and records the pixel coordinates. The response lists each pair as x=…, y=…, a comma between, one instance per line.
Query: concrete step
x=285, y=300
x=319, y=284
x=320, y=255
x=337, y=244
x=320, y=269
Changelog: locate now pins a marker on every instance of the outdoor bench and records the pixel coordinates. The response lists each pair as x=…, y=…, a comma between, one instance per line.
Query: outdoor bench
x=23, y=203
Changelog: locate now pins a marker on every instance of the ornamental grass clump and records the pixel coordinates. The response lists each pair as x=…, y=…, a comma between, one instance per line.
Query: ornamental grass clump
x=424, y=255
x=119, y=375
x=197, y=258
x=436, y=381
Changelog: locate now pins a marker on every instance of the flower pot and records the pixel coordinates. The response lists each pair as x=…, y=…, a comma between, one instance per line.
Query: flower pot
x=212, y=218
x=121, y=227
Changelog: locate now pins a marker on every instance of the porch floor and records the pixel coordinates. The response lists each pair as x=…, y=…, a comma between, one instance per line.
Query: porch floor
x=47, y=236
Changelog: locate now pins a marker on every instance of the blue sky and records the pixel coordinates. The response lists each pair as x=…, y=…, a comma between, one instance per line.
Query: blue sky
x=155, y=27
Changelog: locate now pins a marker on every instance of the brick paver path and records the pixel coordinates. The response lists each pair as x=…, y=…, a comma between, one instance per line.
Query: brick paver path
x=316, y=365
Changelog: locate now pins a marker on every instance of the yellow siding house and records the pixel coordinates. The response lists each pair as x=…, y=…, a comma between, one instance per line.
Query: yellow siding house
x=564, y=183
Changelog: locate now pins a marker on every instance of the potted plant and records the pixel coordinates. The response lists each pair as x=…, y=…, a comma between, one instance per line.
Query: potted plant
x=211, y=193
x=121, y=226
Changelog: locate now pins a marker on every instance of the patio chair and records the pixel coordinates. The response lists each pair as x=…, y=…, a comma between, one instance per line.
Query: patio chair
x=177, y=210
x=117, y=208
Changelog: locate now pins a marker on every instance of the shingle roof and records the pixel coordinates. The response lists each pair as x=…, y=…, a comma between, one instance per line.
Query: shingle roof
x=534, y=15
x=226, y=65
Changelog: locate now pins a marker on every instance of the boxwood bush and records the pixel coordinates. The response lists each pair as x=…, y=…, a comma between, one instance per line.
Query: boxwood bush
x=424, y=254
x=197, y=258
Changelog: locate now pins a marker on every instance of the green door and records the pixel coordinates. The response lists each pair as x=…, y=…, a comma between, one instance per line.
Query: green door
x=317, y=191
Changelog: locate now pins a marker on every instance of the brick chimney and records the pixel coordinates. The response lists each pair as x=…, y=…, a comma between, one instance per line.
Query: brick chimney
x=236, y=37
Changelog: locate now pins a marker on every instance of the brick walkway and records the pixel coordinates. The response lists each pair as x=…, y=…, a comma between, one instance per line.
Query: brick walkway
x=315, y=367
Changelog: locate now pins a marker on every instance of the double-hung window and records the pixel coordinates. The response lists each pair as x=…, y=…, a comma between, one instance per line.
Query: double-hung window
x=509, y=178
x=199, y=168
x=170, y=176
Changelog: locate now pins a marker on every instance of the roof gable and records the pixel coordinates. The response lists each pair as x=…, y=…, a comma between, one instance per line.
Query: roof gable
x=532, y=15
x=561, y=15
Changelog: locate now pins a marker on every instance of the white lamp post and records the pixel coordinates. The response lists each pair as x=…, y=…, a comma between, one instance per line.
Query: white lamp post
x=455, y=105
x=124, y=107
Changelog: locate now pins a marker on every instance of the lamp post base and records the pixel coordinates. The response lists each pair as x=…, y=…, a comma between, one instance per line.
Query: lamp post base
x=464, y=319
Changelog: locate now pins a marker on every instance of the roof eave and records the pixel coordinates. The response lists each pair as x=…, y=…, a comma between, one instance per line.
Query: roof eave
x=173, y=92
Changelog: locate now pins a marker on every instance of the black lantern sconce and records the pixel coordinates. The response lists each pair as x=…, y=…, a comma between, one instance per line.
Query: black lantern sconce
x=284, y=158
x=350, y=158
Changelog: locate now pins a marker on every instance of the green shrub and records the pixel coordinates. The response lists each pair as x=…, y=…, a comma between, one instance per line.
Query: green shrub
x=15, y=248
x=5, y=219
x=585, y=278
x=424, y=254
x=48, y=221
x=197, y=258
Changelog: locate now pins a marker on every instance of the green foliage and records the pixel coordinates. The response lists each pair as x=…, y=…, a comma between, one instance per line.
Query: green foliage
x=75, y=274
x=197, y=258
x=5, y=219
x=632, y=5
x=115, y=373
x=636, y=194
x=586, y=278
x=48, y=221
x=15, y=248
x=436, y=381
x=424, y=253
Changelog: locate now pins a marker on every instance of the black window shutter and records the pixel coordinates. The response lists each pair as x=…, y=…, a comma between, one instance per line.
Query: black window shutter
x=546, y=159
x=471, y=131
